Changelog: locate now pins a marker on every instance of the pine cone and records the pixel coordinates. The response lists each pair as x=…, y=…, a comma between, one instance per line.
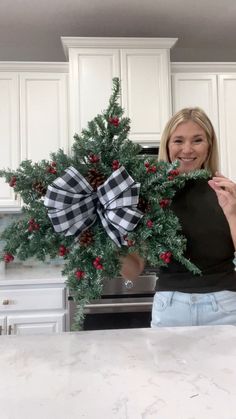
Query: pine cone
x=40, y=188
x=143, y=206
x=86, y=238
x=95, y=178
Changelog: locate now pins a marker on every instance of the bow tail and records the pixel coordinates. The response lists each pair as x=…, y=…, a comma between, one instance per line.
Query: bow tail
x=112, y=231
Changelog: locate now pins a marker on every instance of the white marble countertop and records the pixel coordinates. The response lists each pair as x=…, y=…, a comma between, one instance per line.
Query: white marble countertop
x=169, y=373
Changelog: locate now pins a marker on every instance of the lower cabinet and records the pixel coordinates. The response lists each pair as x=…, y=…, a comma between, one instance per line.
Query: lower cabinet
x=32, y=324
x=32, y=309
x=3, y=322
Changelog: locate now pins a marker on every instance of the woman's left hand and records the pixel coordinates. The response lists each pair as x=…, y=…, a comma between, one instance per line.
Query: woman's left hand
x=225, y=190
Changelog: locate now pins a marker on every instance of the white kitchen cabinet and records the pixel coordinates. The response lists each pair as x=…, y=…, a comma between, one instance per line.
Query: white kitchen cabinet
x=91, y=73
x=9, y=134
x=227, y=118
x=212, y=86
x=190, y=90
x=34, y=117
x=43, y=121
x=3, y=328
x=35, y=324
x=146, y=92
x=143, y=64
x=32, y=307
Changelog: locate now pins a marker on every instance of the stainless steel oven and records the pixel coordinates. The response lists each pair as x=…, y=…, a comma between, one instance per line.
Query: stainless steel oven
x=123, y=304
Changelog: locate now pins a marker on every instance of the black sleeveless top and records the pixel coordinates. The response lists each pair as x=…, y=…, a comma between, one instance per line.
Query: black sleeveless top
x=209, y=243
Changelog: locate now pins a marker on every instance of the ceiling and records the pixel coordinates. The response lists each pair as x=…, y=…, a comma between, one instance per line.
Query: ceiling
x=30, y=30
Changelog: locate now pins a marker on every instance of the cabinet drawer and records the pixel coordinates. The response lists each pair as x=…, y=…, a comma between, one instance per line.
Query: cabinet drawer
x=32, y=299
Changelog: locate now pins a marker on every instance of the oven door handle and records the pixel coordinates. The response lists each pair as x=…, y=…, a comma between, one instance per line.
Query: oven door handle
x=113, y=305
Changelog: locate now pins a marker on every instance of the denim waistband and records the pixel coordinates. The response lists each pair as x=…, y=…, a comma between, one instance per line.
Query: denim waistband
x=196, y=298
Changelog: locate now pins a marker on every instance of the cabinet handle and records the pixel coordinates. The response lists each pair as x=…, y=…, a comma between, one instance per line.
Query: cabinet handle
x=9, y=329
x=6, y=302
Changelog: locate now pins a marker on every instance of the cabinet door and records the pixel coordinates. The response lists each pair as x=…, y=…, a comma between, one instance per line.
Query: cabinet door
x=3, y=325
x=36, y=324
x=44, y=114
x=227, y=118
x=194, y=89
x=146, y=92
x=9, y=135
x=91, y=73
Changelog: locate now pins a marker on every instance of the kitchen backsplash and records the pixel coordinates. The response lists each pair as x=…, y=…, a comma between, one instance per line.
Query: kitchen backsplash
x=5, y=220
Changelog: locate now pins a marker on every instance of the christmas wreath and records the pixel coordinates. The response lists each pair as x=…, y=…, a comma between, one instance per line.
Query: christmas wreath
x=100, y=203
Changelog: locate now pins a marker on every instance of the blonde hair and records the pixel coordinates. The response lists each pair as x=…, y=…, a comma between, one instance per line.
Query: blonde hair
x=198, y=116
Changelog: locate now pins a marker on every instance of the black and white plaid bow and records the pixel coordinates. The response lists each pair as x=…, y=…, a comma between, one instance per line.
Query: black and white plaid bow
x=73, y=205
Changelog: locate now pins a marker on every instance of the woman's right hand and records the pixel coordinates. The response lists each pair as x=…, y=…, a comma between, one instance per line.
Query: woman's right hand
x=132, y=266
x=225, y=190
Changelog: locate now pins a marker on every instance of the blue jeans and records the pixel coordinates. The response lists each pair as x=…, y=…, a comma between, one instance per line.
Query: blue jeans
x=172, y=308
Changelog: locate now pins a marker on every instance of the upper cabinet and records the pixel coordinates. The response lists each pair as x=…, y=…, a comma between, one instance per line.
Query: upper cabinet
x=211, y=86
x=227, y=118
x=43, y=106
x=142, y=64
x=9, y=133
x=146, y=93
x=34, y=117
x=196, y=90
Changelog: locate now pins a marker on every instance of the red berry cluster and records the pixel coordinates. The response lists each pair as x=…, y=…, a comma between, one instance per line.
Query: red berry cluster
x=93, y=158
x=12, y=182
x=149, y=223
x=115, y=164
x=149, y=168
x=166, y=256
x=32, y=225
x=62, y=251
x=52, y=168
x=172, y=174
x=8, y=257
x=114, y=121
x=79, y=274
x=97, y=263
x=164, y=203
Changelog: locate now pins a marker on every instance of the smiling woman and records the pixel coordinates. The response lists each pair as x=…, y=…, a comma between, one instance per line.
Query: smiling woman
x=207, y=214
x=206, y=210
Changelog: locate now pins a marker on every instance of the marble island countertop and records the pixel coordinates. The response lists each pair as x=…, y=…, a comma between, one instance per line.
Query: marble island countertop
x=169, y=373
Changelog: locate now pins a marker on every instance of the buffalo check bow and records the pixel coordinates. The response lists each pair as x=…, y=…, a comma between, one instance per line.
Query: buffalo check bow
x=73, y=205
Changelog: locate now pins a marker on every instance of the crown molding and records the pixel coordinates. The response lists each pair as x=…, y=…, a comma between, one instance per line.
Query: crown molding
x=36, y=66
x=203, y=67
x=176, y=67
x=115, y=42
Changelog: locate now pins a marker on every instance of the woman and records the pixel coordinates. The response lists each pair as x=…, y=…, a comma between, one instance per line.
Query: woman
x=207, y=214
